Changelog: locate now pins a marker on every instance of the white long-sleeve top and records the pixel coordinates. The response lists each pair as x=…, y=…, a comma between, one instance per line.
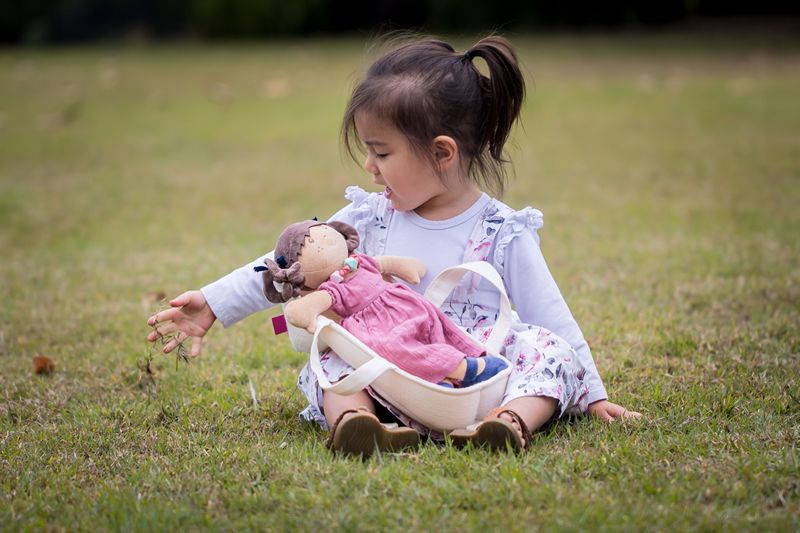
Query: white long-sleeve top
x=440, y=244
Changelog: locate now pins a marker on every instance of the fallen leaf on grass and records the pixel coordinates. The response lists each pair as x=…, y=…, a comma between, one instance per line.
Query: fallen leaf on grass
x=43, y=365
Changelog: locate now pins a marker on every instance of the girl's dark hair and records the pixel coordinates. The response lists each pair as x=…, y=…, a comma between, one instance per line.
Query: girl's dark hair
x=425, y=88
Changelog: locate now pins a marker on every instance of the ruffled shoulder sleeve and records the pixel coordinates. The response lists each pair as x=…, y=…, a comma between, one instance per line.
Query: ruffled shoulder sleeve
x=370, y=214
x=527, y=219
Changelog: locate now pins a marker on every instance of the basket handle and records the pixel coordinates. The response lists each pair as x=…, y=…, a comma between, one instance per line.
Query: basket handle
x=447, y=280
x=361, y=376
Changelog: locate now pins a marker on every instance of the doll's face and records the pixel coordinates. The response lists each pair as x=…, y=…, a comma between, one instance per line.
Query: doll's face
x=323, y=252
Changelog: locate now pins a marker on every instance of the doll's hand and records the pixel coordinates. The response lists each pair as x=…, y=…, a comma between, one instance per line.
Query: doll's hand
x=608, y=411
x=303, y=313
x=189, y=316
x=409, y=269
x=300, y=316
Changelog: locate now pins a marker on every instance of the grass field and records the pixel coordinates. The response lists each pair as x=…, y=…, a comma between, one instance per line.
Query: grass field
x=668, y=169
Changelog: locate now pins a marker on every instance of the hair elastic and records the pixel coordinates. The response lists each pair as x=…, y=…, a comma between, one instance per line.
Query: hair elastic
x=468, y=55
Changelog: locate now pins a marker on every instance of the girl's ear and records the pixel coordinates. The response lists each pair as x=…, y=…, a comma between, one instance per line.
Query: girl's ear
x=445, y=149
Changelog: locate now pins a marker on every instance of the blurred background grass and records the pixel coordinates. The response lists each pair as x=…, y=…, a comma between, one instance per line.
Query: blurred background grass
x=668, y=169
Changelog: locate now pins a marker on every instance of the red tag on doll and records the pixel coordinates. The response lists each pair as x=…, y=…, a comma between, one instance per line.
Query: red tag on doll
x=279, y=324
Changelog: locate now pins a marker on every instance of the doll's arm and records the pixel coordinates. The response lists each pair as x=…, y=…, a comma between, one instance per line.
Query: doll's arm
x=303, y=313
x=408, y=269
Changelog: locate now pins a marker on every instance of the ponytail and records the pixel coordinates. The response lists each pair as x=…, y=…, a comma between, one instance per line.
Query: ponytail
x=503, y=92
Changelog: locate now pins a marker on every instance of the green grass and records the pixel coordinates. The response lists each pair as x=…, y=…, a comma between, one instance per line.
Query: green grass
x=668, y=169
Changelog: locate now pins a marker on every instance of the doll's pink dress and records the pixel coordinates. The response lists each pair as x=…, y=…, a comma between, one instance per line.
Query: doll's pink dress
x=399, y=324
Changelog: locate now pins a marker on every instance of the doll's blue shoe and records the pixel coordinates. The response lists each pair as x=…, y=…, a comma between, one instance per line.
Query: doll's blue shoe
x=493, y=366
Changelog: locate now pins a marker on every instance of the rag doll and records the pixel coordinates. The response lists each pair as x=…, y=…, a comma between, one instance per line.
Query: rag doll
x=315, y=262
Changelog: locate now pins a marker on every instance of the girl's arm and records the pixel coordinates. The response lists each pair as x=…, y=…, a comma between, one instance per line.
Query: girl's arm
x=238, y=294
x=539, y=301
x=229, y=300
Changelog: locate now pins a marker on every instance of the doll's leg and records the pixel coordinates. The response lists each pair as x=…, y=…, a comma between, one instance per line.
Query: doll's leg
x=334, y=405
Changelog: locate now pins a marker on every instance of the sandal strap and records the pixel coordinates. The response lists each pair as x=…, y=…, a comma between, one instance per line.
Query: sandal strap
x=497, y=411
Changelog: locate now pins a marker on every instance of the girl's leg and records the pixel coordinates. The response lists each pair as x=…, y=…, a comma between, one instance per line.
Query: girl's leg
x=333, y=405
x=534, y=411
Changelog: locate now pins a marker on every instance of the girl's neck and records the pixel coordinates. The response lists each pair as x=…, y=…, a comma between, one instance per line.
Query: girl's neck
x=452, y=202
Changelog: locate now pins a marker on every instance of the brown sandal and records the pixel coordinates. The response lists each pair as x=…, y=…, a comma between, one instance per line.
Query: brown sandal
x=358, y=432
x=494, y=432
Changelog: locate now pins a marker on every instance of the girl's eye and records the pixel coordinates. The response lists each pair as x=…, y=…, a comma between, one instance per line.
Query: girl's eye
x=381, y=156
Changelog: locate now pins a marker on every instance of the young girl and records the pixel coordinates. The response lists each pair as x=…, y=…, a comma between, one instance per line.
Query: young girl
x=433, y=128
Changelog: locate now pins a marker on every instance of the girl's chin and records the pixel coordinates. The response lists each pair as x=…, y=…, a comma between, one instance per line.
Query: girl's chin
x=398, y=205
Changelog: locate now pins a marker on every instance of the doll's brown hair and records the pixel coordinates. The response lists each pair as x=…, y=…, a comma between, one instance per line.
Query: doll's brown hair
x=425, y=88
x=285, y=269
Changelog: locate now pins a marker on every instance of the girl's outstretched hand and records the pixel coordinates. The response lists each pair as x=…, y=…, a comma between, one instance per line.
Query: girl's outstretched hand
x=608, y=411
x=189, y=316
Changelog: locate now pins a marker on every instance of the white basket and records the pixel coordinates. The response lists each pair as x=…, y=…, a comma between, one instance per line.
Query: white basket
x=439, y=408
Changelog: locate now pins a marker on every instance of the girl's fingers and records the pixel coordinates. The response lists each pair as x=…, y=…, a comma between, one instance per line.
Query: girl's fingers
x=163, y=331
x=180, y=301
x=604, y=415
x=167, y=315
x=197, y=345
x=173, y=343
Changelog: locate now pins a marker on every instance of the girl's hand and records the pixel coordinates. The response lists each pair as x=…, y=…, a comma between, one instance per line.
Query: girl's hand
x=608, y=411
x=190, y=316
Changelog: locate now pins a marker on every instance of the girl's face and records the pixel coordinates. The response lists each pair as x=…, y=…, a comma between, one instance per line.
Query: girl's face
x=411, y=184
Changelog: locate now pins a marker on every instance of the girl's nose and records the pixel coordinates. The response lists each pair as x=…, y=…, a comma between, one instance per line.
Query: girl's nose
x=369, y=164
